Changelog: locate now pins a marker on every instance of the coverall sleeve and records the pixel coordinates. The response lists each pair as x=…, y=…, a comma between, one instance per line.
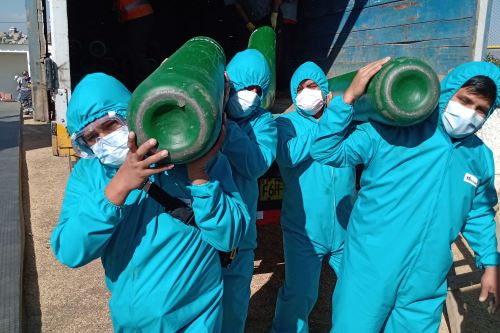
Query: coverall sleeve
x=336, y=143
x=480, y=228
x=251, y=155
x=220, y=213
x=86, y=223
x=293, y=148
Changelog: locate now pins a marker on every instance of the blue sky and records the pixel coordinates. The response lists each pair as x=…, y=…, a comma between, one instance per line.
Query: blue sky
x=13, y=11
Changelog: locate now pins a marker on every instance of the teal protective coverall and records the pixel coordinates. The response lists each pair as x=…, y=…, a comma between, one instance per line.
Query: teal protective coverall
x=316, y=205
x=419, y=189
x=163, y=275
x=250, y=147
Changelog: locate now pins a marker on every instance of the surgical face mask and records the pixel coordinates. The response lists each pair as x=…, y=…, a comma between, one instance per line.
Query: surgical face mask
x=460, y=121
x=310, y=101
x=112, y=149
x=242, y=104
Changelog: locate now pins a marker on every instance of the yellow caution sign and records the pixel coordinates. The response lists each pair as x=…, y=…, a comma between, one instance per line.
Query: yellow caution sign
x=61, y=141
x=270, y=189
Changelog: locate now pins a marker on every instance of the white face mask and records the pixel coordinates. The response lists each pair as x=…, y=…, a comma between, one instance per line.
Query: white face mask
x=460, y=121
x=112, y=149
x=242, y=104
x=310, y=101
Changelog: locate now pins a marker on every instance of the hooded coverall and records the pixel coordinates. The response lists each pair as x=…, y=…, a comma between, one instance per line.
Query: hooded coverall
x=163, y=275
x=250, y=147
x=316, y=205
x=419, y=189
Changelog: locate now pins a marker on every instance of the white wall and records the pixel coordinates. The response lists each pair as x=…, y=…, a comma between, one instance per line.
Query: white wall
x=11, y=63
x=490, y=134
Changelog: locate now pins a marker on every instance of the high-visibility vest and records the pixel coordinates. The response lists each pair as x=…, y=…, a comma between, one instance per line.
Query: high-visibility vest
x=133, y=9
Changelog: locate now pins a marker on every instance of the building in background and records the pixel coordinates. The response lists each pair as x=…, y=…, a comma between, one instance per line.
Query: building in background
x=494, y=31
x=13, y=36
x=489, y=133
x=13, y=59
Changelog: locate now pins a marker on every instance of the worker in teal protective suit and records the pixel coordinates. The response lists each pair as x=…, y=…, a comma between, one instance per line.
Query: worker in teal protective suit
x=420, y=187
x=164, y=275
x=250, y=147
x=316, y=203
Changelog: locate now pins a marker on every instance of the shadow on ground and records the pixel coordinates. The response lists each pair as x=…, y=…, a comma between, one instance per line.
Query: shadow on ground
x=36, y=135
x=269, y=276
x=32, y=314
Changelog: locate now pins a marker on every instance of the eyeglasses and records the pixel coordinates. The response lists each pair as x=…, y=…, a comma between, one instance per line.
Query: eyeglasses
x=83, y=140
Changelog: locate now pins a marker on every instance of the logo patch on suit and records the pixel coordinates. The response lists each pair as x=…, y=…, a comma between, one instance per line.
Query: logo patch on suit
x=471, y=179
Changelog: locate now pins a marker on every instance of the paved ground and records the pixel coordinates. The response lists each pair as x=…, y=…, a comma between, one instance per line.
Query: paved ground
x=11, y=232
x=58, y=299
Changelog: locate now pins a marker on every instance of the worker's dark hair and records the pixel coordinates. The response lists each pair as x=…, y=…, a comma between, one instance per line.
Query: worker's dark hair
x=482, y=85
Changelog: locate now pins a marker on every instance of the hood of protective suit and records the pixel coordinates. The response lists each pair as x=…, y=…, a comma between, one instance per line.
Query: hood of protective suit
x=249, y=68
x=93, y=98
x=308, y=70
x=461, y=74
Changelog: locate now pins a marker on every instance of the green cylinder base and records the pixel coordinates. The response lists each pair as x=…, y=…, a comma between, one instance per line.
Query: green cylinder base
x=180, y=103
x=403, y=93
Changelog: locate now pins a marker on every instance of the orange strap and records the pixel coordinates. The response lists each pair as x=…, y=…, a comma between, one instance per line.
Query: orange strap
x=134, y=9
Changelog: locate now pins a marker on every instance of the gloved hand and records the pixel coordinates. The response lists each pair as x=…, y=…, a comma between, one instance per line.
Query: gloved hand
x=274, y=19
x=250, y=26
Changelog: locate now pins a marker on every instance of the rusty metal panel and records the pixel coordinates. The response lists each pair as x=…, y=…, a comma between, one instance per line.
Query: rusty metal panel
x=341, y=36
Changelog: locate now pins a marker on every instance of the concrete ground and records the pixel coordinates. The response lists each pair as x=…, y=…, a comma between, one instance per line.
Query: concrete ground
x=59, y=299
x=56, y=298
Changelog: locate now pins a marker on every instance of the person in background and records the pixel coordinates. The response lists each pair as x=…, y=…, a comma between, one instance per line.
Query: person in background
x=163, y=271
x=286, y=29
x=421, y=186
x=250, y=147
x=137, y=18
x=316, y=203
x=24, y=92
x=256, y=13
x=23, y=81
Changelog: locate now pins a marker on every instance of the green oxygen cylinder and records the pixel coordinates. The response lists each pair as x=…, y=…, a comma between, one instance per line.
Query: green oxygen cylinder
x=263, y=39
x=403, y=93
x=180, y=104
